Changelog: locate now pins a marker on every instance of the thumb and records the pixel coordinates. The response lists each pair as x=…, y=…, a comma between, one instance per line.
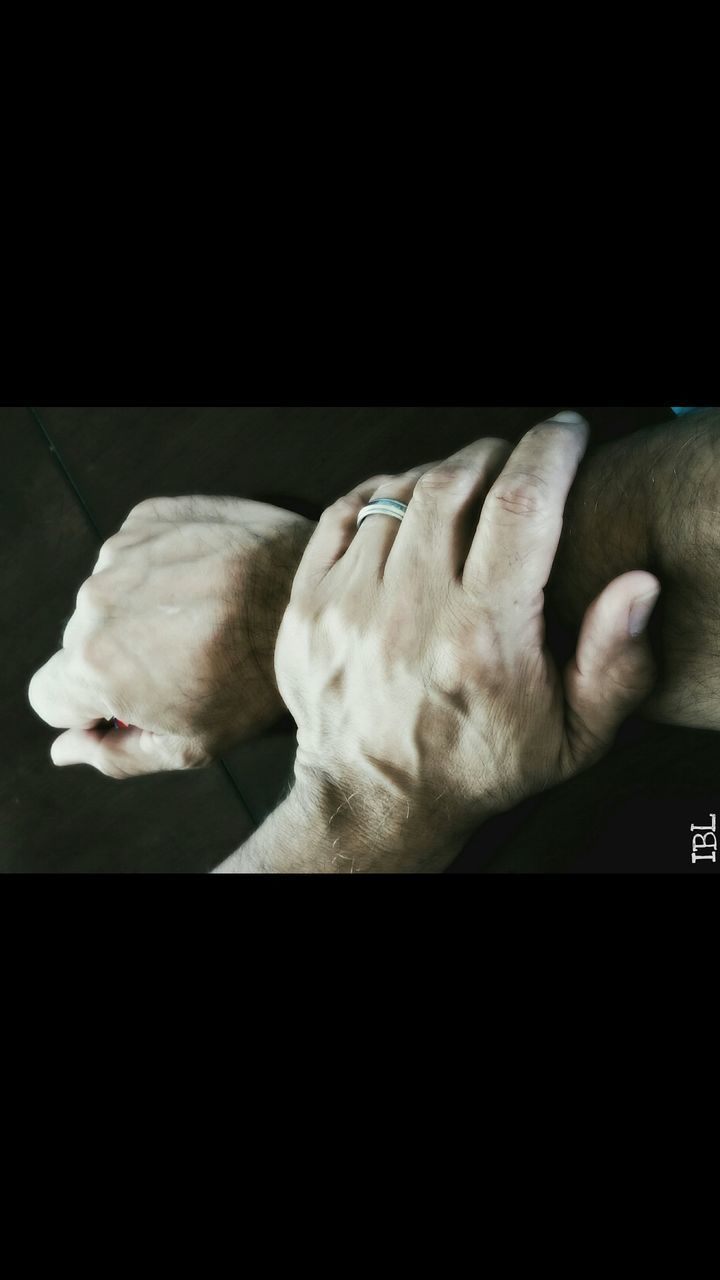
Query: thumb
x=124, y=754
x=613, y=670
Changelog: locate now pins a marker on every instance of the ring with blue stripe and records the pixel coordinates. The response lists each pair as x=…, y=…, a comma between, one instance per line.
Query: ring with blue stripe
x=382, y=507
x=400, y=507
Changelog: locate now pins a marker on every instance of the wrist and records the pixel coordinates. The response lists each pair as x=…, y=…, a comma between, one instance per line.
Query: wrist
x=362, y=825
x=324, y=828
x=296, y=838
x=267, y=591
x=289, y=841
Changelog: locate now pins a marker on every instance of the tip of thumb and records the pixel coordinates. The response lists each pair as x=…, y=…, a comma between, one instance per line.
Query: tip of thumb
x=78, y=746
x=67, y=749
x=642, y=609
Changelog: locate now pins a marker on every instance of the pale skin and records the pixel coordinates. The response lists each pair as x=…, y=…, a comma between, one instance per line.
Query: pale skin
x=412, y=657
x=124, y=653
x=174, y=634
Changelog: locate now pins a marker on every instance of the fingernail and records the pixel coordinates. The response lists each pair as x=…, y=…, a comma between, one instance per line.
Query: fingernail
x=568, y=415
x=640, y=613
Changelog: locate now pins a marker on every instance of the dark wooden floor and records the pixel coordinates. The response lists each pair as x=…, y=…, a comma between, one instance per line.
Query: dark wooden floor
x=69, y=477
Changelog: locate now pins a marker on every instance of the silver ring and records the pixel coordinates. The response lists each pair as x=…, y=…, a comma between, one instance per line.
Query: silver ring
x=382, y=507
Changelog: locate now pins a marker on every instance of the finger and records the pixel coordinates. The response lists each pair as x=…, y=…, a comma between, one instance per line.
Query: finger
x=613, y=670
x=60, y=697
x=444, y=507
x=519, y=529
x=127, y=753
x=376, y=536
x=337, y=529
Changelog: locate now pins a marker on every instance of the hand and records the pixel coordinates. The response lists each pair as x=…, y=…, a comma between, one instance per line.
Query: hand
x=651, y=500
x=174, y=632
x=412, y=656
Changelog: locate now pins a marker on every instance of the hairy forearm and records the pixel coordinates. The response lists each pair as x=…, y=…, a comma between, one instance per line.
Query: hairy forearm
x=286, y=842
x=652, y=501
x=607, y=526
x=321, y=830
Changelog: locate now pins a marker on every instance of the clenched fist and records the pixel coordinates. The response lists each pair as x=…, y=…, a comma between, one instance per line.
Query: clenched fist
x=174, y=634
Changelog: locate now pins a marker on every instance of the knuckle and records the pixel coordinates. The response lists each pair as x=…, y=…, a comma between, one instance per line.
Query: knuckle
x=99, y=590
x=117, y=542
x=148, y=507
x=90, y=652
x=399, y=484
x=482, y=452
x=74, y=627
x=380, y=483
x=442, y=482
x=343, y=508
x=88, y=597
x=546, y=431
x=553, y=432
x=154, y=509
x=34, y=692
x=522, y=494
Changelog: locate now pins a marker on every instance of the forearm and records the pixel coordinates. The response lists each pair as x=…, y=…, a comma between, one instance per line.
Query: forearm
x=607, y=528
x=283, y=844
x=652, y=501
x=323, y=831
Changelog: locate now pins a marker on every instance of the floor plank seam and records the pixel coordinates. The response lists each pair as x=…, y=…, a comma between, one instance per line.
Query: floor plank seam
x=60, y=463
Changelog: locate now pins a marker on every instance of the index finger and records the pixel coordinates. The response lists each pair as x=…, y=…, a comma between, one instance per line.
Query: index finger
x=63, y=701
x=521, y=521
